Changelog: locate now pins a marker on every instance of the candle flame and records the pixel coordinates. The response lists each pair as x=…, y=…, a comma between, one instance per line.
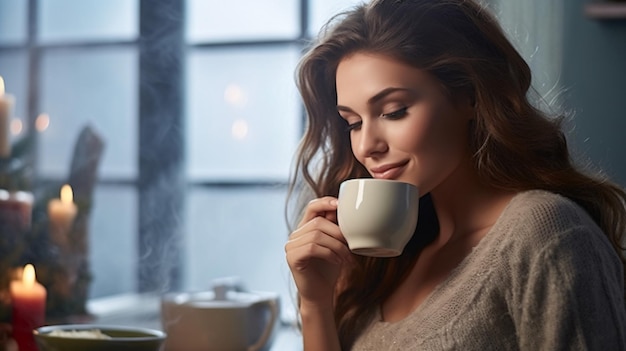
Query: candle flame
x=239, y=129
x=28, y=277
x=16, y=126
x=42, y=122
x=1, y=86
x=67, y=196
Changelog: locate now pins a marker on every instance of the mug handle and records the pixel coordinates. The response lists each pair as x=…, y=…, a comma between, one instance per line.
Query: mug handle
x=268, y=330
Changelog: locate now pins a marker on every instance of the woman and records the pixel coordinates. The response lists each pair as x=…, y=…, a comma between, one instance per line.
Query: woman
x=515, y=248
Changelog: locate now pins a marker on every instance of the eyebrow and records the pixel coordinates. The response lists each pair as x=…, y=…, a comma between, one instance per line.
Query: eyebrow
x=379, y=96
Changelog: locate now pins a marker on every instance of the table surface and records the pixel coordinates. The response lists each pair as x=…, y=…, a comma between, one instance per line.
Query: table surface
x=143, y=310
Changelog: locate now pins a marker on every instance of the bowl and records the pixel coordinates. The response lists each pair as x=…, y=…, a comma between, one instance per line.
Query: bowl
x=67, y=337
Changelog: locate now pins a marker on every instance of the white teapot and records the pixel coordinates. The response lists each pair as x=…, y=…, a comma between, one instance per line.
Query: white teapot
x=225, y=319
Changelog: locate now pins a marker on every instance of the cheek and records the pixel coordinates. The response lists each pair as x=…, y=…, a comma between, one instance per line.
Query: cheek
x=434, y=137
x=418, y=134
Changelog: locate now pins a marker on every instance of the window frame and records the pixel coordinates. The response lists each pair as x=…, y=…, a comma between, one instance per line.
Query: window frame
x=167, y=206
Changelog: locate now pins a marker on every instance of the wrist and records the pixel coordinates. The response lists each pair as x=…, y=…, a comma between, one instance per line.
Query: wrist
x=309, y=309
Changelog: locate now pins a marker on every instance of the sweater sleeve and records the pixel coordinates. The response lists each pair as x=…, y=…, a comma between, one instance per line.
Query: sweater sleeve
x=572, y=298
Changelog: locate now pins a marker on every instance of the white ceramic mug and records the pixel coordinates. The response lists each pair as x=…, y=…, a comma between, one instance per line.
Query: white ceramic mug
x=377, y=216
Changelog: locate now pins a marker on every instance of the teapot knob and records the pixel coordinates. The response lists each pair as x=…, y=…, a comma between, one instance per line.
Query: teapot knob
x=221, y=286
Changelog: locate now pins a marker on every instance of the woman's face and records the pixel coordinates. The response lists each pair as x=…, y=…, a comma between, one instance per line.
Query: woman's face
x=402, y=125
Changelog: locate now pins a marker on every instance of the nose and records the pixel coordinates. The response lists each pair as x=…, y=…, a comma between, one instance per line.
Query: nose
x=369, y=141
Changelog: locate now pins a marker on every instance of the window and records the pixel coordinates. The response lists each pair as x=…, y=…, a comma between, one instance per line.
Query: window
x=533, y=26
x=196, y=103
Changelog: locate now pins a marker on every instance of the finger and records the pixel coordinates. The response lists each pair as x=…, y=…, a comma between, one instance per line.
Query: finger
x=331, y=216
x=319, y=224
x=300, y=258
x=319, y=237
x=299, y=255
x=319, y=207
x=324, y=236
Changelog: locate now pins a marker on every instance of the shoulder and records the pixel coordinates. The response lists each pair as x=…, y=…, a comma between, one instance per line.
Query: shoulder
x=562, y=270
x=540, y=231
x=549, y=209
x=541, y=217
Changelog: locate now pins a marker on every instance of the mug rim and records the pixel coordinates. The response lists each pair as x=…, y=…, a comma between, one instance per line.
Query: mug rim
x=379, y=180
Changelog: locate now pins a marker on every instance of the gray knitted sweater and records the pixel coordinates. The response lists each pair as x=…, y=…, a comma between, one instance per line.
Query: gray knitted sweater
x=545, y=277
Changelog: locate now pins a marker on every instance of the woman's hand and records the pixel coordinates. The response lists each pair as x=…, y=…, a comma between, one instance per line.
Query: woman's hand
x=316, y=252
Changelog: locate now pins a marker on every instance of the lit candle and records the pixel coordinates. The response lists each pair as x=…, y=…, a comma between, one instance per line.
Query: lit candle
x=6, y=106
x=61, y=214
x=28, y=299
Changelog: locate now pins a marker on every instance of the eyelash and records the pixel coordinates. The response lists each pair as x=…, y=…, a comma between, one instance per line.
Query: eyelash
x=392, y=116
x=397, y=114
x=353, y=126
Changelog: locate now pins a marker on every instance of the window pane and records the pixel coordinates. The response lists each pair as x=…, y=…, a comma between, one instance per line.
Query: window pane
x=534, y=28
x=13, y=21
x=217, y=21
x=113, y=241
x=80, y=20
x=243, y=113
x=96, y=87
x=14, y=71
x=238, y=232
x=322, y=10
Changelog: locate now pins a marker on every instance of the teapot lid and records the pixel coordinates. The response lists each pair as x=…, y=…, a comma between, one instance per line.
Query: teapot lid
x=224, y=295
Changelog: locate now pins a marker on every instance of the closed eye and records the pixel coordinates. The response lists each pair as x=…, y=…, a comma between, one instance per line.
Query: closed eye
x=395, y=114
x=353, y=126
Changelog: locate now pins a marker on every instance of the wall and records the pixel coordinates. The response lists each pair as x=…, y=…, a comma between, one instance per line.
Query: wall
x=594, y=76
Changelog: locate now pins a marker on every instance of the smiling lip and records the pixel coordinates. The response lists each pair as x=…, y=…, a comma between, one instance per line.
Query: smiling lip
x=389, y=171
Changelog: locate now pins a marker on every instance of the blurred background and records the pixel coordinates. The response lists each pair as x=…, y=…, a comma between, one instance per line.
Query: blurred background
x=196, y=103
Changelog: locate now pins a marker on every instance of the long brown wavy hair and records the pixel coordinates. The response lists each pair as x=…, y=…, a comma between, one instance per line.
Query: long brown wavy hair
x=515, y=145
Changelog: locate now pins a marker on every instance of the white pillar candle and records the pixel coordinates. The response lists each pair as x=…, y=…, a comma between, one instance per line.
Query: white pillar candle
x=61, y=214
x=6, y=107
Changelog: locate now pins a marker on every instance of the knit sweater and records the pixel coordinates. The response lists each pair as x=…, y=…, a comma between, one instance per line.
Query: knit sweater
x=545, y=277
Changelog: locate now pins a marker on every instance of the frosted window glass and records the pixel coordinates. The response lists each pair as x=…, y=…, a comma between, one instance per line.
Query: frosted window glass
x=85, y=20
x=96, y=87
x=14, y=71
x=243, y=113
x=13, y=21
x=113, y=241
x=322, y=10
x=238, y=232
x=216, y=20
